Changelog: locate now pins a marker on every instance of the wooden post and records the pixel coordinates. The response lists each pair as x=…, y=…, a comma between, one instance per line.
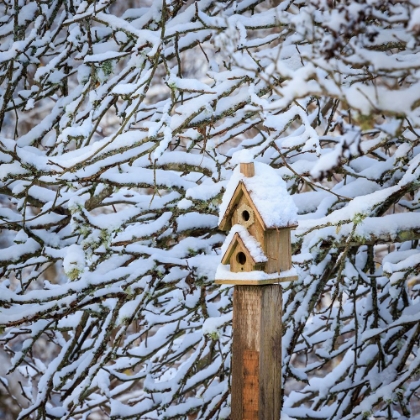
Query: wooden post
x=256, y=359
x=257, y=256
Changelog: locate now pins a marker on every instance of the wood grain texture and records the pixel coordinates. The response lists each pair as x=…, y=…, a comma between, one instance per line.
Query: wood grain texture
x=277, y=247
x=270, y=353
x=246, y=327
x=241, y=260
x=271, y=248
x=285, y=249
x=256, y=358
x=248, y=169
x=230, y=216
x=250, y=383
x=245, y=215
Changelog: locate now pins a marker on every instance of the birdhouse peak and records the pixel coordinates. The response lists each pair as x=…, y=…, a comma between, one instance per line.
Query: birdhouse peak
x=267, y=193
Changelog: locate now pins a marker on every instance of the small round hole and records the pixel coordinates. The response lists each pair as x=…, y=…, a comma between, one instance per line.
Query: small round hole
x=241, y=258
x=246, y=215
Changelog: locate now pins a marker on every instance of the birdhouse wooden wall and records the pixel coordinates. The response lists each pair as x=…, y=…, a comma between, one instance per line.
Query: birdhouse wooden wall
x=277, y=245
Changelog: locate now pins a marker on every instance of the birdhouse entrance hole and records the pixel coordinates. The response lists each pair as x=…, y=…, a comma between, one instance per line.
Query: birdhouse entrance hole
x=245, y=215
x=241, y=258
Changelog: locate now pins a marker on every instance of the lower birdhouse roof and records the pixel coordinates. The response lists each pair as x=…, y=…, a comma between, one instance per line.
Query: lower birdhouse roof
x=250, y=243
x=268, y=193
x=255, y=277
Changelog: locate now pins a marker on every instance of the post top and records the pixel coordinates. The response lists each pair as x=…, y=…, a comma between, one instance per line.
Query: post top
x=247, y=169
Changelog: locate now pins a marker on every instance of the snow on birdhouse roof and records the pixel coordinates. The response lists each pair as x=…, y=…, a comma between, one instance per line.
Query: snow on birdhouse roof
x=251, y=244
x=225, y=276
x=268, y=193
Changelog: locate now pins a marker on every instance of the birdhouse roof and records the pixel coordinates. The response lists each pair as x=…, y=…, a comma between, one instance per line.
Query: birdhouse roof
x=268, y=193
x=239, y=235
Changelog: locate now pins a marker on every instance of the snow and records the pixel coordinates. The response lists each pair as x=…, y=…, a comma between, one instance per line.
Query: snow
x=360, y=207
x=200, y=161
x=415, y=20
x=243, y=156
x=223, y=273
x=408, y=261
x=105, y=56
x=74, y=260
x=10, y=168
x=27, y=13
x=135, y=176
x=15, y=252
x=189, y=85
x=125, y=88
x=196, y=220
x=212, y=325
x=184, y=204
x=141, y=230
x=21, y=237
x=205, y=191
x=268, y=192
x=147, y=123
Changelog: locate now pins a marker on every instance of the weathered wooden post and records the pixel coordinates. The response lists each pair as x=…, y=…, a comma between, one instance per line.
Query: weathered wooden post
x=256, y=256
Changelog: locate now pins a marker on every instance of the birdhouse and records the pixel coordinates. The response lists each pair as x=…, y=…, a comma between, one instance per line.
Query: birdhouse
x=259, y=214
x=243, y=252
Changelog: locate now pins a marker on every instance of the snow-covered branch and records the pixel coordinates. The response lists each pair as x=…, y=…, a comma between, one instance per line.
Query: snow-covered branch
x=119, y=128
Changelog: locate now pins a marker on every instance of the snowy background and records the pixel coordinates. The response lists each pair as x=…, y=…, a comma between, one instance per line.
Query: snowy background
x=119, y=124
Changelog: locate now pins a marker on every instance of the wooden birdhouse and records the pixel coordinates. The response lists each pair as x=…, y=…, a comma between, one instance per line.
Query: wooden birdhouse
x=244, y=253
x=260, y=214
